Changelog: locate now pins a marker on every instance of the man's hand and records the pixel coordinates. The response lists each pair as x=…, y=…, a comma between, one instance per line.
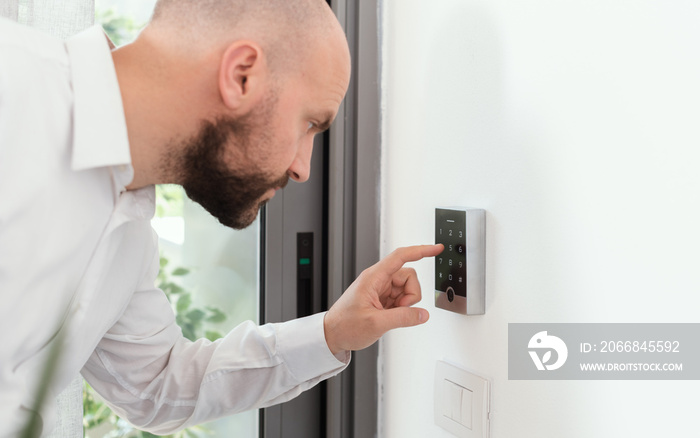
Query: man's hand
x=378, y=301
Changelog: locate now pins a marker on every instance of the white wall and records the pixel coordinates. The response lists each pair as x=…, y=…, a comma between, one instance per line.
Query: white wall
x=576, y=125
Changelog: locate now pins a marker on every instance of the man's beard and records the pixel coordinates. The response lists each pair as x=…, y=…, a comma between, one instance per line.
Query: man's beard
x=233, y=197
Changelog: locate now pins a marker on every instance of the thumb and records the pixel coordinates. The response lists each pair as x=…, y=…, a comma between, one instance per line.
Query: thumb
x=402, y=317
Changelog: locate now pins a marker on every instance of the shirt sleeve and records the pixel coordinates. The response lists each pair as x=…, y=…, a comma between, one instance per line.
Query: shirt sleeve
x=161, y=382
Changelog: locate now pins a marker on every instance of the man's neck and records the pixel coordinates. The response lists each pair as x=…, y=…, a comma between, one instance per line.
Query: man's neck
x=162, y=103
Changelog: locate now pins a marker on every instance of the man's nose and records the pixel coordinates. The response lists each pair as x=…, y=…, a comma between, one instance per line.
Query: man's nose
x=300, y=169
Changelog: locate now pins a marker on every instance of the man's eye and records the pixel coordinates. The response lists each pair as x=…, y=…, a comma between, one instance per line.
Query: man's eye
x=311, y=126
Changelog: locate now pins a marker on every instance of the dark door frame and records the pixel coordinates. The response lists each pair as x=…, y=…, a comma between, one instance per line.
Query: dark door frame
x=349, y=238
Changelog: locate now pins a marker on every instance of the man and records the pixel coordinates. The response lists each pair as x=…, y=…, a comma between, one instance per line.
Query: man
x=223, y=97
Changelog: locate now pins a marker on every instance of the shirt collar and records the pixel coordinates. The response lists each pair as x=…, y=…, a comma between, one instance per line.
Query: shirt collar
x=99, y=130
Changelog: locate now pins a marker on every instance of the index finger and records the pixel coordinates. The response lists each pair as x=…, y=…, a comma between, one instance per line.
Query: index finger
x=400, y=256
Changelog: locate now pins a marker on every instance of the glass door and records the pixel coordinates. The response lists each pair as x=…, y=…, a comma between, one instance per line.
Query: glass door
x=211, y=275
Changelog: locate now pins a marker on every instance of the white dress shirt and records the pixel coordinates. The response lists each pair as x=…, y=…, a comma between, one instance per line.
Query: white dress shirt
x=78, y=261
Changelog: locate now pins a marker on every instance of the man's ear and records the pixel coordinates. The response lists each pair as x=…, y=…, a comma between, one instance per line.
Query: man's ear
x=241, y=75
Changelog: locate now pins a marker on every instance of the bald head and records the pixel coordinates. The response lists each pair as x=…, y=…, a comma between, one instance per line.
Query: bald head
x=268, y=75
x=287, y=30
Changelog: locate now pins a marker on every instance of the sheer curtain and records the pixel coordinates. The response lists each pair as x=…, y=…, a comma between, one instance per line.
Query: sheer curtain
x=61, y=18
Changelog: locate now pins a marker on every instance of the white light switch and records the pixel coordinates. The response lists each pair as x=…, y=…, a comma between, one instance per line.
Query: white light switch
x=466, y=405
x=454, y=393
x=461, y=402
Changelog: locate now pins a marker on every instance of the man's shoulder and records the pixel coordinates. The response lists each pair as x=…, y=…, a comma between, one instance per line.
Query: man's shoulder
x=20, y=40
x=34, y=74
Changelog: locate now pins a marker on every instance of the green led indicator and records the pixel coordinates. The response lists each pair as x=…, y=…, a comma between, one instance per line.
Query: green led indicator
x=305, y=261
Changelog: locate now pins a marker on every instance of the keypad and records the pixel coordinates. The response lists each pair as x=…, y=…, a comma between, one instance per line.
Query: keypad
x=451, y=264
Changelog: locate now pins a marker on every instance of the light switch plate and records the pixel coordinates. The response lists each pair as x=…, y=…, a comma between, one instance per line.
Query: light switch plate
x=460, y=269
x=462, y=403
